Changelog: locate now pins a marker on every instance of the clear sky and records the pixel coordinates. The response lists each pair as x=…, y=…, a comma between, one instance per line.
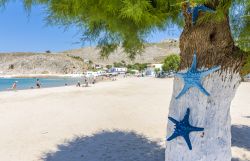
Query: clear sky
x=22, y=33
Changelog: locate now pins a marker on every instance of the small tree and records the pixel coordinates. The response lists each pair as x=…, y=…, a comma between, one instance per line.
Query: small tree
x=171, y=63
x=108, y=66
x=142, y=67
x=129, y=66
x=90, y=62
x=157, y=70
x=139, y=66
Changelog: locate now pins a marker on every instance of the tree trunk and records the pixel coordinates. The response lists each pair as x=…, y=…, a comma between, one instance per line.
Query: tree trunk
x=215, y=47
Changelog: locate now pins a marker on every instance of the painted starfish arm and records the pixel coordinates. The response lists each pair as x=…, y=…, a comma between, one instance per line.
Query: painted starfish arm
x=194, y=63
x=205, y=8
x=173, y=136
x=184, y=90
x=196, y=128
x=196, y=10
x=186, y=117
x=209, y=71
x=180, y=75
x=189, y=10
x=195, y=14
x=202, y=89
x=187, y=139
x=173, y=120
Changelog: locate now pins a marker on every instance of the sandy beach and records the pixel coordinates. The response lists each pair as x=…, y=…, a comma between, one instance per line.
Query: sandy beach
x=123, y=120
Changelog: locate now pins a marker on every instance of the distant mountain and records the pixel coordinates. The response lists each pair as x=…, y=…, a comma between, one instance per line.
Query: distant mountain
x=154, y=53
x=72, y=61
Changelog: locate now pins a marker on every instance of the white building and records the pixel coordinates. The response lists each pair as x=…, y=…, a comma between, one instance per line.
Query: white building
x=150, y=71
x=97, y=66
x=118, y=70
x=159, y=66
x=86, y=61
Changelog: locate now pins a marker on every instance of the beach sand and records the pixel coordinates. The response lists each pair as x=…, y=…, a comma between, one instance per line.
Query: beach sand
x=123, y=120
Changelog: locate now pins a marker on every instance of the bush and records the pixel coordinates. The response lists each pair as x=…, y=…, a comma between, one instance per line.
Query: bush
x=171, y=63
x=131, y=72
x=11, y=66
x=108, y=66
x=137, y=66
x=157, y=70
x=246, y=67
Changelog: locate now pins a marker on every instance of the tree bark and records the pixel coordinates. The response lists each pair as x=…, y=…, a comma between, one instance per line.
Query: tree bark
x=214, y=45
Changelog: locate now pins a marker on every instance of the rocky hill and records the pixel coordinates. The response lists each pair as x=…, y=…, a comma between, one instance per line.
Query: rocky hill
x=154, y=53
x=35, y=63
x=72, y=62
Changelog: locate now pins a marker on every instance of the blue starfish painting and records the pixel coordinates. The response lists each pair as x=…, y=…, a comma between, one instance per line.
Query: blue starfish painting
x=192, y=78
x=195, y=11
x=183, y=128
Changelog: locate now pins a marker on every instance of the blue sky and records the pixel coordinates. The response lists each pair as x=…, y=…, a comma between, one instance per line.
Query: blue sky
x=22, y=33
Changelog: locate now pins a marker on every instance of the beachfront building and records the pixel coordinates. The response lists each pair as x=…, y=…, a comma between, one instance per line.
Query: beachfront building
x=86, y=61
x=150, y=71
x=97, y=66
x=121, y=70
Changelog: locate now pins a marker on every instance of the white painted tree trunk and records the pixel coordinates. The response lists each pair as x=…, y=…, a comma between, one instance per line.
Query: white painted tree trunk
x=211, y=113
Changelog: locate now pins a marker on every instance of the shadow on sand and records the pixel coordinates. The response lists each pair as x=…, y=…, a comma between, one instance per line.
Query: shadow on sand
x=240, y=136
x=108, y=146
x=126, y=146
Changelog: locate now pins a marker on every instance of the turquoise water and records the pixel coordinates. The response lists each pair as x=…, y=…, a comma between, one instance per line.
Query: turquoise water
x=28, y=83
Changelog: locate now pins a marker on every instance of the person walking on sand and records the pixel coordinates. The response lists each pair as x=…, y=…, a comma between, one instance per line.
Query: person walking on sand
x=94, y=80
x=86, y=82
x=38, y=84
x=78, y=84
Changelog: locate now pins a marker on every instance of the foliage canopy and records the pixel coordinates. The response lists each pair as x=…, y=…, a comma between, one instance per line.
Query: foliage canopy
x=246, y=68
x=127, y=22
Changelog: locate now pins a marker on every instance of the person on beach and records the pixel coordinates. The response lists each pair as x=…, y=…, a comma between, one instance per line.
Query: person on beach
x=14, y=85
x=38, y=84
x=78, y=84
x=94, y=80
x=86, y=82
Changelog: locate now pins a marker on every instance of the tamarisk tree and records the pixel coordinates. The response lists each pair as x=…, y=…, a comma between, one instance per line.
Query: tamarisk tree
x=217, y=30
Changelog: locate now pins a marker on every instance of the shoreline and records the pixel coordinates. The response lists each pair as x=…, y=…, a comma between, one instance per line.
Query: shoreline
x=42, y=75
x=33, y=89
x=27, y=82
x=69, y=77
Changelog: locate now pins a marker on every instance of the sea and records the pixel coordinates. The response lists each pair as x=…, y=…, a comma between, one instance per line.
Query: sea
x=29, y=83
